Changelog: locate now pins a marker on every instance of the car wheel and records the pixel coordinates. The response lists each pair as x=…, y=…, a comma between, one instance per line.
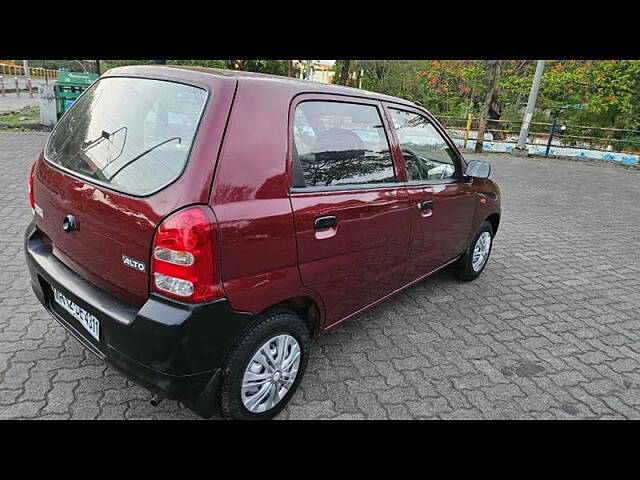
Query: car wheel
x=472, y=263
x=265, y=367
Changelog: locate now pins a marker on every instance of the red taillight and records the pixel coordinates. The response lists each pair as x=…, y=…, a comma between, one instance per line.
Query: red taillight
x=183, y=261
x=32, y=201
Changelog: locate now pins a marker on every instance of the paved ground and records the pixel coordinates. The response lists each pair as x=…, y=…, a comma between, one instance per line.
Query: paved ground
x=10, y=102
x=550, y=330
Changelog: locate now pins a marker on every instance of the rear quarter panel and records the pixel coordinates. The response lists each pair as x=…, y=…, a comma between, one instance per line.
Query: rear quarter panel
x=251, y=201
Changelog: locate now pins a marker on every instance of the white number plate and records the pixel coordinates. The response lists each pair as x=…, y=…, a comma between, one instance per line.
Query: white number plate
x=88, y=321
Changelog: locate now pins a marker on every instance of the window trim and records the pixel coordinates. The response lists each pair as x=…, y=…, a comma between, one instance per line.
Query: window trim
x=459, y=162
x=110, y=187
x=327, y=97
x=343, y=188
x=435, y=181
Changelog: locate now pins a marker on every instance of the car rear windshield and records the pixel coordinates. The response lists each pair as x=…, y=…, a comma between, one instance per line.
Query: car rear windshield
x=129, y=134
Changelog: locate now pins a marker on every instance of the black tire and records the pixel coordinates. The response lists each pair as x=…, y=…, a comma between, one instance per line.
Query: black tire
x=463, y=268
x=269, y=324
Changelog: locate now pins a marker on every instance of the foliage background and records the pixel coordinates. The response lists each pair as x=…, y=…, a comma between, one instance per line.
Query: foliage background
x=606, y=92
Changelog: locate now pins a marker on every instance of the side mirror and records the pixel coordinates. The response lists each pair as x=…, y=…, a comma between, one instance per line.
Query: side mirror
x=478, y=169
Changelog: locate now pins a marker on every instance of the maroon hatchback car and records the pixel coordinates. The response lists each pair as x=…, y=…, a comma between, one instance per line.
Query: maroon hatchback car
x=196, y=228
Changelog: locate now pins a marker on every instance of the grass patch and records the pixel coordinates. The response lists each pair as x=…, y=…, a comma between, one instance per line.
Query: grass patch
x=26, y=116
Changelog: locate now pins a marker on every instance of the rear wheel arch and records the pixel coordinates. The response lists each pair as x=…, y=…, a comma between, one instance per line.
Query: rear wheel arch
x=306, y=308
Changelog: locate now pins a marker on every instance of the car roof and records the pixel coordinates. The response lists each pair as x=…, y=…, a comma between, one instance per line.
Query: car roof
x=287, y=82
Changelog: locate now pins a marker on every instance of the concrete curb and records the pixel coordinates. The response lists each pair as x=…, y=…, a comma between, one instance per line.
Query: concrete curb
x=585, y=161
x=26, y=127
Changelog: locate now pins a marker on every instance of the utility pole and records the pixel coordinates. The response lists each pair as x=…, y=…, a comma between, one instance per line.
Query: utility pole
x=552, y=133
x=520, y=149
x=27, y=77
x=308, y=70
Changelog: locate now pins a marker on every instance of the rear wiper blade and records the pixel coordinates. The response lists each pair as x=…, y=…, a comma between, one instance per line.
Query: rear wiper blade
x=124, y=141
x=143, y=154
x=103, y=136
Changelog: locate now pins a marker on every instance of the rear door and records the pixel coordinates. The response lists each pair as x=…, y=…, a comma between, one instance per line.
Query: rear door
x=114, y=163
x=443, y=200
x=350, y=208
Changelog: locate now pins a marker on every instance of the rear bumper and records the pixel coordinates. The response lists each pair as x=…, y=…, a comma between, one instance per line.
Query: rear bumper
x=173, y=349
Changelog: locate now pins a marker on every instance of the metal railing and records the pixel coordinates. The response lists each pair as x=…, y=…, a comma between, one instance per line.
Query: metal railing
x=568, y=136
x=34, y=72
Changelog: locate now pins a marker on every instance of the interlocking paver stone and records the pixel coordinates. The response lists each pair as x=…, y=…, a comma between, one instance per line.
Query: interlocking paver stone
x=550, y=330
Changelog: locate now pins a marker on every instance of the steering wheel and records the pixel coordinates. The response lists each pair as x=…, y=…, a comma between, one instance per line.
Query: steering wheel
x=412, y=167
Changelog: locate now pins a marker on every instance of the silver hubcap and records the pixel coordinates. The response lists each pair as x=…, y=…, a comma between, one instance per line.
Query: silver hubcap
x=481, y=251
x=270, y=373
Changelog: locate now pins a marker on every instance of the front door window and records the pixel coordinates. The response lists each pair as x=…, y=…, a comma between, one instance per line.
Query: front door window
x=426, y=154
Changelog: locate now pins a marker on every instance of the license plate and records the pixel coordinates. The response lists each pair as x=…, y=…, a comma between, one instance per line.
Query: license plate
x=88, y=321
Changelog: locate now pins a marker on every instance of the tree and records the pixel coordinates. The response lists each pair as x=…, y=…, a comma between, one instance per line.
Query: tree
x=606, y=92
x=399, y=78
x=199, y=63
x=493, y=69
x=273, y=67
x=344, y=72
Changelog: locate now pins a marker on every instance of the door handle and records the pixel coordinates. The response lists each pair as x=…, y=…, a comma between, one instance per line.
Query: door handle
x=426, y=205
x=328, y=221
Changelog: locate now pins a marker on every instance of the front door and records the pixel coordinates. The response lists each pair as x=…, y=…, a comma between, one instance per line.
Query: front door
x=351, y=212
x=442, y=198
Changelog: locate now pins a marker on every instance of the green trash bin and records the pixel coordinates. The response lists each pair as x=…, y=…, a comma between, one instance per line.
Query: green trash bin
x=69, y=86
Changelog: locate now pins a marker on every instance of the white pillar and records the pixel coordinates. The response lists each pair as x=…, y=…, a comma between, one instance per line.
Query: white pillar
x=48, y=114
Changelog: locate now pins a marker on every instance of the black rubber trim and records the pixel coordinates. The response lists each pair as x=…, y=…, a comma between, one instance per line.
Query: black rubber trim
x=339, y=188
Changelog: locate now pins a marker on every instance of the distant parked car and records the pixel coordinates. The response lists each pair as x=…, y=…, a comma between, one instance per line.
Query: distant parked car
x=196, y=228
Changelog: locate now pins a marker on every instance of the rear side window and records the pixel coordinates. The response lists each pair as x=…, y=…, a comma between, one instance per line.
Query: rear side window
x=340, y=144
x=130, y=134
